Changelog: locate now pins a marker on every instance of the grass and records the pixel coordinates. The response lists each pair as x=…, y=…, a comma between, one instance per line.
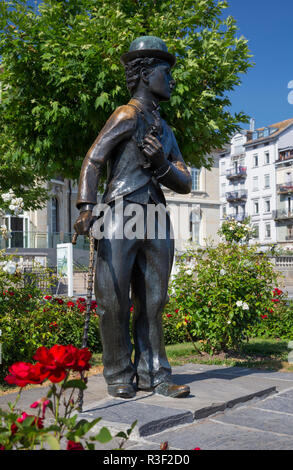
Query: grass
x=260, y=353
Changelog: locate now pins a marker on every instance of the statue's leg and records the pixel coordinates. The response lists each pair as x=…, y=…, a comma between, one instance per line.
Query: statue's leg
x=112, y=283
x=149, y=288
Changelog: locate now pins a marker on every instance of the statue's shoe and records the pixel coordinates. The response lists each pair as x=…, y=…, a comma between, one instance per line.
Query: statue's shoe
x=169, y=389
x=121, y=390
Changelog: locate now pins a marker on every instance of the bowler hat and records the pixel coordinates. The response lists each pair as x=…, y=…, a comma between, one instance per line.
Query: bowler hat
x=148, y=46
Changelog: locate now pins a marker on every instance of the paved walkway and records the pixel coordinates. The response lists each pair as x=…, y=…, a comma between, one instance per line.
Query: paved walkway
x=228, y=408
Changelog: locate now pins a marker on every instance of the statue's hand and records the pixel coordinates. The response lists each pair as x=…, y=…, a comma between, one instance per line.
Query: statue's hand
x=83, y=223
x=153, y=150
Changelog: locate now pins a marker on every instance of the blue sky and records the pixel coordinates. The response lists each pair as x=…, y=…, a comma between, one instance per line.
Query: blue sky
x=268, y=25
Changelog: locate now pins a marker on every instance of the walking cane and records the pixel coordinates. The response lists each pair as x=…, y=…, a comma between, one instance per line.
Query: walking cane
x=88, y=304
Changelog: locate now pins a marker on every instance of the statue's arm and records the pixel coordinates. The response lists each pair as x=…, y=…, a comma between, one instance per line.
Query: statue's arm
x=174, y=173
x=119, y=126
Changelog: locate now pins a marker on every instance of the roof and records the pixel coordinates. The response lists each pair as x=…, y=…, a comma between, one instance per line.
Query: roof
x=280, y=126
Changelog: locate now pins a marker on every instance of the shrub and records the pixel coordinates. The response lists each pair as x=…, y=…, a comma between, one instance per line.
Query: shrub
x=222, y=292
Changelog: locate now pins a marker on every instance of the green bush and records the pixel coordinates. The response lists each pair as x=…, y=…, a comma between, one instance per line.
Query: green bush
x=222, y=292
x=28, y=319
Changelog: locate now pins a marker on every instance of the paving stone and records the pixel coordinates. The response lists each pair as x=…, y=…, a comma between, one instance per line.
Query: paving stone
x=287, y=394
x=259, y=419
x=214, y=436
x=277, y=403
x=151, y=418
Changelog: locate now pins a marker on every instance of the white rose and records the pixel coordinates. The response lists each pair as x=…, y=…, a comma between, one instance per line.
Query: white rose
x=10, y=267
x=222, y=272
x=245, y=306
x=239, y=303
x=228, y=322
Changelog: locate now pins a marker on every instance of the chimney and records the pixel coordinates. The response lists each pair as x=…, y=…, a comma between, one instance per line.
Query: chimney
x=252, y=124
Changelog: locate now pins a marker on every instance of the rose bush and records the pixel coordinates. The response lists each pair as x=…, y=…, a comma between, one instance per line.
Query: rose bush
x=222, y=292
x=20, y=430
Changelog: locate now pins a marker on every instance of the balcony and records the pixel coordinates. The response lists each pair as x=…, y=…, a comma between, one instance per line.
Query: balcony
x=289, y=237
x=285, y=155
x=282, y=214
x=233, y=173
x=237, y=217
x=286, y=188
x=236, y=196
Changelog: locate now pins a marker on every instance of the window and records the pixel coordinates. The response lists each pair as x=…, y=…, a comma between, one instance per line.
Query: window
x=267, y=181
x=55, y=215
x=223, y=189
x=256, y=207
x=268, y=230
x=255, y=183
x=223, y=168
x=255, y=160
x=267, y=158
x=268, y=206
x=195, y=225
x=195, y=172
x=224, y=211
x=255, y=232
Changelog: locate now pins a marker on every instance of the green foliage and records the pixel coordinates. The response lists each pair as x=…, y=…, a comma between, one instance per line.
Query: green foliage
x=61, y=76
x=234, y=231
x=28, y=321
x=277, y=322
x=222, y=292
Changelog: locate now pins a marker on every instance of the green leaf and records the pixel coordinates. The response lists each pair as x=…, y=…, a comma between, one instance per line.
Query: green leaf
x=104, y=436
x=53, y=442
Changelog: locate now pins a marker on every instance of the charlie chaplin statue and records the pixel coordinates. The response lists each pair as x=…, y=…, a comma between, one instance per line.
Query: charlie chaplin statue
x=141, y=153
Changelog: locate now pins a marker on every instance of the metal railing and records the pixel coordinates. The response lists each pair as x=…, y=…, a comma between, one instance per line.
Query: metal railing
x=45, y=240
x=236, y=195
x=237, y=217
x=285, y=187
x=282, y=214
x=240, y=172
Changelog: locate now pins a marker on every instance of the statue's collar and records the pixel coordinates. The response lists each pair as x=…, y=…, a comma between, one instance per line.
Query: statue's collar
x=145, y=104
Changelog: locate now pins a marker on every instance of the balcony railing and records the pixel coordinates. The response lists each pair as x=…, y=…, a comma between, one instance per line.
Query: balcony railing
x=237, y=217
x=285, y=188
x=43, y=240
x=282, y=214
x=236, y=196
x=289, y=237
x=233, y=173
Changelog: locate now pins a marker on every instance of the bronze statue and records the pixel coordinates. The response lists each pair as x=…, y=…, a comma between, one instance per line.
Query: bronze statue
x=141, y=153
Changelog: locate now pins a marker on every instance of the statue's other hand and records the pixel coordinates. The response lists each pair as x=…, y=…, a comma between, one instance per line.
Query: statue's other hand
x=153, y=150
x=83, y=223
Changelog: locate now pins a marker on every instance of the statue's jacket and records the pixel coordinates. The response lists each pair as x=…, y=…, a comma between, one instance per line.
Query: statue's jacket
x=117, y=145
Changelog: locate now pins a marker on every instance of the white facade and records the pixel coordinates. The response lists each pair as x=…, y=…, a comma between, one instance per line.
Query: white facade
x=250, y=175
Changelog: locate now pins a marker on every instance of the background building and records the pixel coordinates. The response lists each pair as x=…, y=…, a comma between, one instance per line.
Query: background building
x=255, y=181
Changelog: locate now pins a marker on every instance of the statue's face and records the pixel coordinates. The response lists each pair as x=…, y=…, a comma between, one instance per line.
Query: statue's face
x=161, y=82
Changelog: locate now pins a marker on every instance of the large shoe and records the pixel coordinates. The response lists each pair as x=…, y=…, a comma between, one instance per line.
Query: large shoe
x=169, y=389
x=121, y=390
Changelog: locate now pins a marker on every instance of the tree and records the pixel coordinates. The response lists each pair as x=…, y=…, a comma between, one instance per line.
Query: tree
x=62, y=77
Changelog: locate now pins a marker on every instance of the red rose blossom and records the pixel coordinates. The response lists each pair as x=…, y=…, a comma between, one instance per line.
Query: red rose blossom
x=169, y=315
x=2, y=447
x=24, y=373
x=71, y=445
x=48, y=297
x=70, y=304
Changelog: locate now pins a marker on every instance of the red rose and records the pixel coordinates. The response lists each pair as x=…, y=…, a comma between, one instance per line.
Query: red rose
x=10, y=293
x=196, y=448
x=81, y=308
x=24, y=373
x=169, y=315
x=70, y=304
x=2, y=447
x=71, y=445
x=264, y=316
x=59, y=358
x=48, y=297
x=94, y=304
x=131, y=308
x=80, y=299
x=177, y=310
x=53, y=324
x=275, y=300
x=37, y=421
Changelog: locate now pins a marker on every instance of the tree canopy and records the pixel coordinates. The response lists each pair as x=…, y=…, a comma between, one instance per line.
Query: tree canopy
x=62, y=78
